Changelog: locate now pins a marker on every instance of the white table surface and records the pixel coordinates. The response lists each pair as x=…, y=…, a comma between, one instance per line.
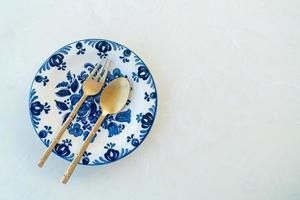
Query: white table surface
x=228, y=80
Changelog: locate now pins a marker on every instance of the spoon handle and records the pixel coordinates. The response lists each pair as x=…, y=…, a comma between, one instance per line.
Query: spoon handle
x=61, y=131
x=74, y=163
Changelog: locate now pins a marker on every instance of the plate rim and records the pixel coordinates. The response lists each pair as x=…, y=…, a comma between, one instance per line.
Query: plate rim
x=156, y=101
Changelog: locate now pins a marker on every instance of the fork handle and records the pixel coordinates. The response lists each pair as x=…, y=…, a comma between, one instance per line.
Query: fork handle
x=86, y=143
x=61, y=131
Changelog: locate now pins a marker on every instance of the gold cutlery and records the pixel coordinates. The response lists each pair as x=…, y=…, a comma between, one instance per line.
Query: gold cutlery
x=112, y=100
x=91, y=86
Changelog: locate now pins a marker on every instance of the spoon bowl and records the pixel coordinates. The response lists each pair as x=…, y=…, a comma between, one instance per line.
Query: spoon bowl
x=114, y=96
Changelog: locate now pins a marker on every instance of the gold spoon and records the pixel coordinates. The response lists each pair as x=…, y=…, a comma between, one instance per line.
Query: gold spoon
x=112, y=100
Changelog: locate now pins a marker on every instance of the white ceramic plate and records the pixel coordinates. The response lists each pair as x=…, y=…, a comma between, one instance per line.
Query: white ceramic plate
x=56, y=88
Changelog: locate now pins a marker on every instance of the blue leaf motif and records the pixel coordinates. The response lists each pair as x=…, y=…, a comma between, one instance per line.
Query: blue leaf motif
x=62, y=84
x=69, y=76
x=61, y=105
x=124, y=116
x=112, y=129
x=66, y=116
x=46, y=142
x=63, y=93
x=74, y=86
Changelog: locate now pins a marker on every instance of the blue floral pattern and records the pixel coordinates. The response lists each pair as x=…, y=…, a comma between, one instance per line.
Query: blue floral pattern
x=69, y=94
x=45, y=132
x=36, y=108
x=146, y=120
x=134, y=141
x=85, y=157
x=150, y=96
x=63, y=149
x=142, y=73
x=120, y=133
x=56, y=60
x=41, y=79
x=125, y=56
x=80, y=48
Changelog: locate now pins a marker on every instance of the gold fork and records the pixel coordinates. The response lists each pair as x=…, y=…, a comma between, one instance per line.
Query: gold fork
x=91, y=86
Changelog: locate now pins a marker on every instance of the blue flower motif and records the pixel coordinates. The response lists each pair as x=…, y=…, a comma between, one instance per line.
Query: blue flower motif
x=111, y=154
x=45, y=132
x=75, y=130
x=139, y=117
x=89, y=66
x=110, y=123
x=78, y=45
x=116, y=73
x=135, y=77
x=42, y=79
x=36, y=108
x=85, y=158
x=63, y=148
x=103, y=47
x=80, y=49
x=113, y=129
x=62, y=67
x=126, y=54
x=86, y=126
x=143, y=72
x=57, y=61
x=83, y=109
x=152, y=95
x=82, y=77
x=124, y=116
x=83, y=120
x=134, y=142
x=147, y=120
x=94, y=117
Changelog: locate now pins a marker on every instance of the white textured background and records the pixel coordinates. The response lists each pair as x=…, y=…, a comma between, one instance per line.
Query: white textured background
x=228, y=79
